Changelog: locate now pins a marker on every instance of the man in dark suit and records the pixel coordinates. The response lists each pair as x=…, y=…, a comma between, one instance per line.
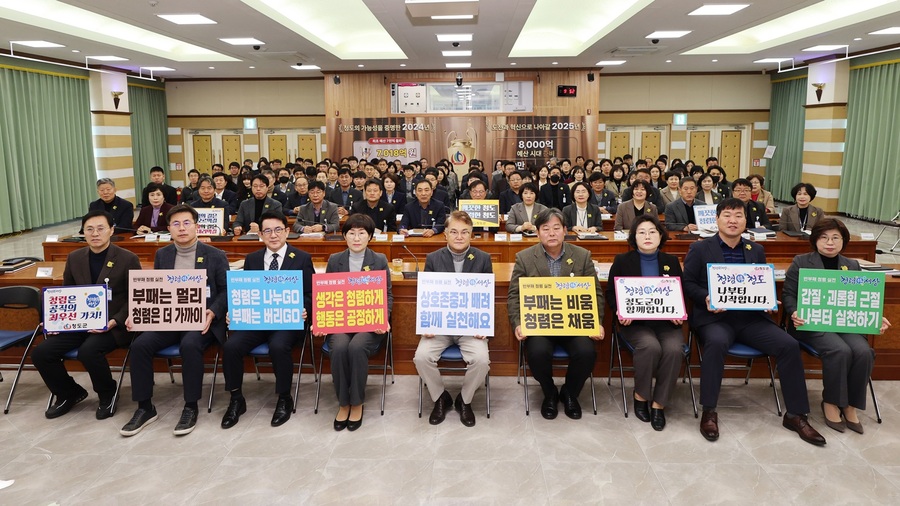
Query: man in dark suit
x=206, y=198
x=600, y=196
x=121, y=210
x=298, y=197
x=500, y=181
x=424, y=212
x=554, y=257
x=382, y=213
x=158, y=176
x=185, y=253
x=100, y=263
x=512, y=195
x=555, y=194
x=719, y=329
x=277, y=255
x=251, y=210
x=756, y=211
x=680, y=213
x=344, y=194
x=458, y=257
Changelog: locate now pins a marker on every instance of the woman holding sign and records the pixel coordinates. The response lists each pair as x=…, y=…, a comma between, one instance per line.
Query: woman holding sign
x=657, y=344
x=350, y=352
x=847, y=358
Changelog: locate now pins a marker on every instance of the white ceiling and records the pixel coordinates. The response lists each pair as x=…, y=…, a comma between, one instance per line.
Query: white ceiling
x=496, y=29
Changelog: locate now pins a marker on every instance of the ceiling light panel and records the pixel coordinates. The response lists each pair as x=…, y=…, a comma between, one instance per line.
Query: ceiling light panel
x=894, y=30
x=305, y=67
x=451, y=54
x=243, y=41
x=106, y=58
x=773, y=60
x=668, y=34
x=35, y=43
x=442, y=9
x=327, y=27
x=457, y=65
x=158, y=69
x=826, y=47
x=556, y=28
x=718, y=10
x=454, y=37
x=60, y=17
x=187, y=19
x=607, y=63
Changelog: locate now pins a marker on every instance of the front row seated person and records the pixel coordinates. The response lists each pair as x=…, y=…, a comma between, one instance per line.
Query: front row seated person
x=382, y=213
x=719, y=329
x=152, y=217
x=252, y=209
x=847, y=359
x=680, y=213
x=521, y=216
x=277, y=255
x=185, y=252
x=582, y=216
x=460, y=257
x=121, y=210
x=657, y=343
x=101, y=262
x=802, y=215
x=555, y=257
x=350, y=352
x=423, y=212
x=318, y=215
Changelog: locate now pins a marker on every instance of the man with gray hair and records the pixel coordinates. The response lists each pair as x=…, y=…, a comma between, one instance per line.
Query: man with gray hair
x=121, y=210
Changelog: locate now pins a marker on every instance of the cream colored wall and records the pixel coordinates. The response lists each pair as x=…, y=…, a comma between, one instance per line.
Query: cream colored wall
x=684, y=93
x=245, y=98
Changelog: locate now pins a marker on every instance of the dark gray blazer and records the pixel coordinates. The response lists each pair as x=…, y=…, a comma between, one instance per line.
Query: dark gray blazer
x=340, y=262
x=570, y=213
x=118, y=262
x=810, y=260
x=248, y=208
x=214, y=261
x=328, y=217
x=790, y=218
x=677, y=215
x=476, y=261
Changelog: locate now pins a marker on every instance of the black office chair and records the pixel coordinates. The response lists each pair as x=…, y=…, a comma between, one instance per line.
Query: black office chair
x=559, y=355
x=452, y=353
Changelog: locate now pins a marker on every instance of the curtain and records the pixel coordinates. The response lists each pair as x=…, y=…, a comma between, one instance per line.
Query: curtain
x=787, y=122
x=869, y=185
x=46, y=150
x=149, y=133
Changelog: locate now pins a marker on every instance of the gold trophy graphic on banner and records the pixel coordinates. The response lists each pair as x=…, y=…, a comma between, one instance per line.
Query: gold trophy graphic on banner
x=461, y=151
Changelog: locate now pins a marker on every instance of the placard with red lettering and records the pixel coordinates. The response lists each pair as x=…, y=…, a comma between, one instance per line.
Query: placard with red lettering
x=167, y=299
x=649, y=298
x=75, y=308
x=349, y=302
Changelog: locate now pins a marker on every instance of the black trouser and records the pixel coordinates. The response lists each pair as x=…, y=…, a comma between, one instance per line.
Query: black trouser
x=92, y=349
x=582, y=355
x=239, y=345
x=191, y=344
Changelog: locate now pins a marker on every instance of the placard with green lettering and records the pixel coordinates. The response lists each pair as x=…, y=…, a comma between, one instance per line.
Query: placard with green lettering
x=840, y=301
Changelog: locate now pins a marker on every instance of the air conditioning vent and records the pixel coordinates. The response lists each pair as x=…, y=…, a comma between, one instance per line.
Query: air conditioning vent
x=634, y=51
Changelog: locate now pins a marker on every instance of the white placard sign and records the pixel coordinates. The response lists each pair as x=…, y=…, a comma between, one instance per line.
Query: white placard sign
x=705, y=217
x=75, y=308
x=650, y=298
x=210, y=221
x=744, y=287
x=167, y=299
x=455, y=304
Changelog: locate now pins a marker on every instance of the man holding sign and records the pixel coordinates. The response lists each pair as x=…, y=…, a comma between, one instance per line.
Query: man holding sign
x=277, y=255
x=185, y=253
x=720, y=328
x=554, y=258
x=458, y=257
x=100, y=263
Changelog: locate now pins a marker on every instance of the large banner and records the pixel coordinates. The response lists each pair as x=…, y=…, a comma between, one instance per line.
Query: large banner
x=743, y=287
x=556, y=306
x=349, y=302
x=840, y=301
x=455, y=304
x=75, y=308
x=265, y=300
x=167, y=299
x=649, y=298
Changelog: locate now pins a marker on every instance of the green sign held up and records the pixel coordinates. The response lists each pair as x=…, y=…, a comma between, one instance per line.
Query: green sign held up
x=840, y=301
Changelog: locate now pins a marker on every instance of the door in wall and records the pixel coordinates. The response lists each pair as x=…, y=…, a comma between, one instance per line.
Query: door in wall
x=699, y=146
x=290, y=144
x=725, y=142
x=202, y=150
x=642, y=141
x=231, y=150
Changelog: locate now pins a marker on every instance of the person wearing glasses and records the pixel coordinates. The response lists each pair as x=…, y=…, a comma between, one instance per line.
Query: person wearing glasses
x=423, y=213
x=185, y=252
x=277, y=255
x=250, y=210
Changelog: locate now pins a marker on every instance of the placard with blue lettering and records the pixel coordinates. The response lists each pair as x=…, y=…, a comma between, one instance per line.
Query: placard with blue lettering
x=840, y=301
x=559, y=306
x=650, y=298
x=705, y=216
x=265, y=300
x=167, y=299
x=455, y=304
x=742, y=287
x=75, y=308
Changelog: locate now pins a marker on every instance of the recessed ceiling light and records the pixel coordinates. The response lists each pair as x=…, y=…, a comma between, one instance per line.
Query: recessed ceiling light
x=610, y=62
x=360, y=65
x=858, y=39
x=513, y=63
x=668, y=61
x=715, y=61
x=212, y=68
x=457, y=53
x=36, y=43
x=826, y=47
x=453, y=16
x=252, y=67
x=187, y=19
x=718, y=10
x=668, y=34
x=76, y=51
x=894, y=30
x=554, y=63
x=243, y=41
x=402, y=64
x=457, y=65
x=454, y=37
x=772, y=60
x=305, y=67
x=158, y=69
x=106, y=58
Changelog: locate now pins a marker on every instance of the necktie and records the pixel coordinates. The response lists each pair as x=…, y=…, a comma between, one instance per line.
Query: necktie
x=273, y=265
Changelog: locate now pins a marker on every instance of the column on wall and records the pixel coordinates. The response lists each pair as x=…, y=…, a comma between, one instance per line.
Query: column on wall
x=324, y=140
x=251, y=146
x=678, y=142
x=111, y=131
x=176, y=156
x=760, y=138
x=601, y=142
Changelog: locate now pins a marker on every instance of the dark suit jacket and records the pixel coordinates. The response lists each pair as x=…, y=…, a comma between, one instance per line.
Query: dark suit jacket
x=531, y=262
x=790, y=217
x=626, y=213
x=145, y=217
x=811, y=260
x=214, y=261
x=281, y=196
x=606, y=201
x=353, y=196
x=328, y=217
x=398, y=199
x=295, y=200
x=245, y=213
x=383, y=214
x=476, y=261
x=756, y=211
x=558, y=196
x=118, y=262
x=340, y=262
x=629, y=264
x=412, y=216
x=508, y=199
x=230, y=198
x=677, y=215
x=122, y=211
x=295, y=260
x=695, y=281
x=570, y=213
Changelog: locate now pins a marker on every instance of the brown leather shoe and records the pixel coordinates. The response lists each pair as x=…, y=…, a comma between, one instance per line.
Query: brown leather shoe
x=709, y=425
x=800, y=425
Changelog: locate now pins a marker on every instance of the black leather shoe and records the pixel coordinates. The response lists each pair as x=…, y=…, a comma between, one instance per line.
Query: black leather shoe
x=353, y=425
x=63, y=406
x=440, y=408
x=104, y=410
x=657, y=419
x=340, y=425
x=642, y=410
x=283, y=410
x=800, y=425
x=570, y=404
x=236, y=408
x=548, y=407
x=466, y=415
x=709, y=425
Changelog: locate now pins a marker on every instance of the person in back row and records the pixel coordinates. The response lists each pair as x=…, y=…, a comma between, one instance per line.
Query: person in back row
x=121, y=210
x=158, y=176
x=252, y=209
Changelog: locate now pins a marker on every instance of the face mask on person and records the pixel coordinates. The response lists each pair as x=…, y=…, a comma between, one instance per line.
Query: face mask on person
x=284, y=179
x=715, y=179
x=554, y=179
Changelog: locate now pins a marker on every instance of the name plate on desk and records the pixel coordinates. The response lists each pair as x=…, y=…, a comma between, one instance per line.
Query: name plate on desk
x=399, y=238
x=515, y=237
x=500, y=237
x=151, y=238
x=380, y=237
x=52, y=238
x=865, y=236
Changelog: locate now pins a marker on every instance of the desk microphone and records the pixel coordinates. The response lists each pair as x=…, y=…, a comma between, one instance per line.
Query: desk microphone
x=411, y=275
